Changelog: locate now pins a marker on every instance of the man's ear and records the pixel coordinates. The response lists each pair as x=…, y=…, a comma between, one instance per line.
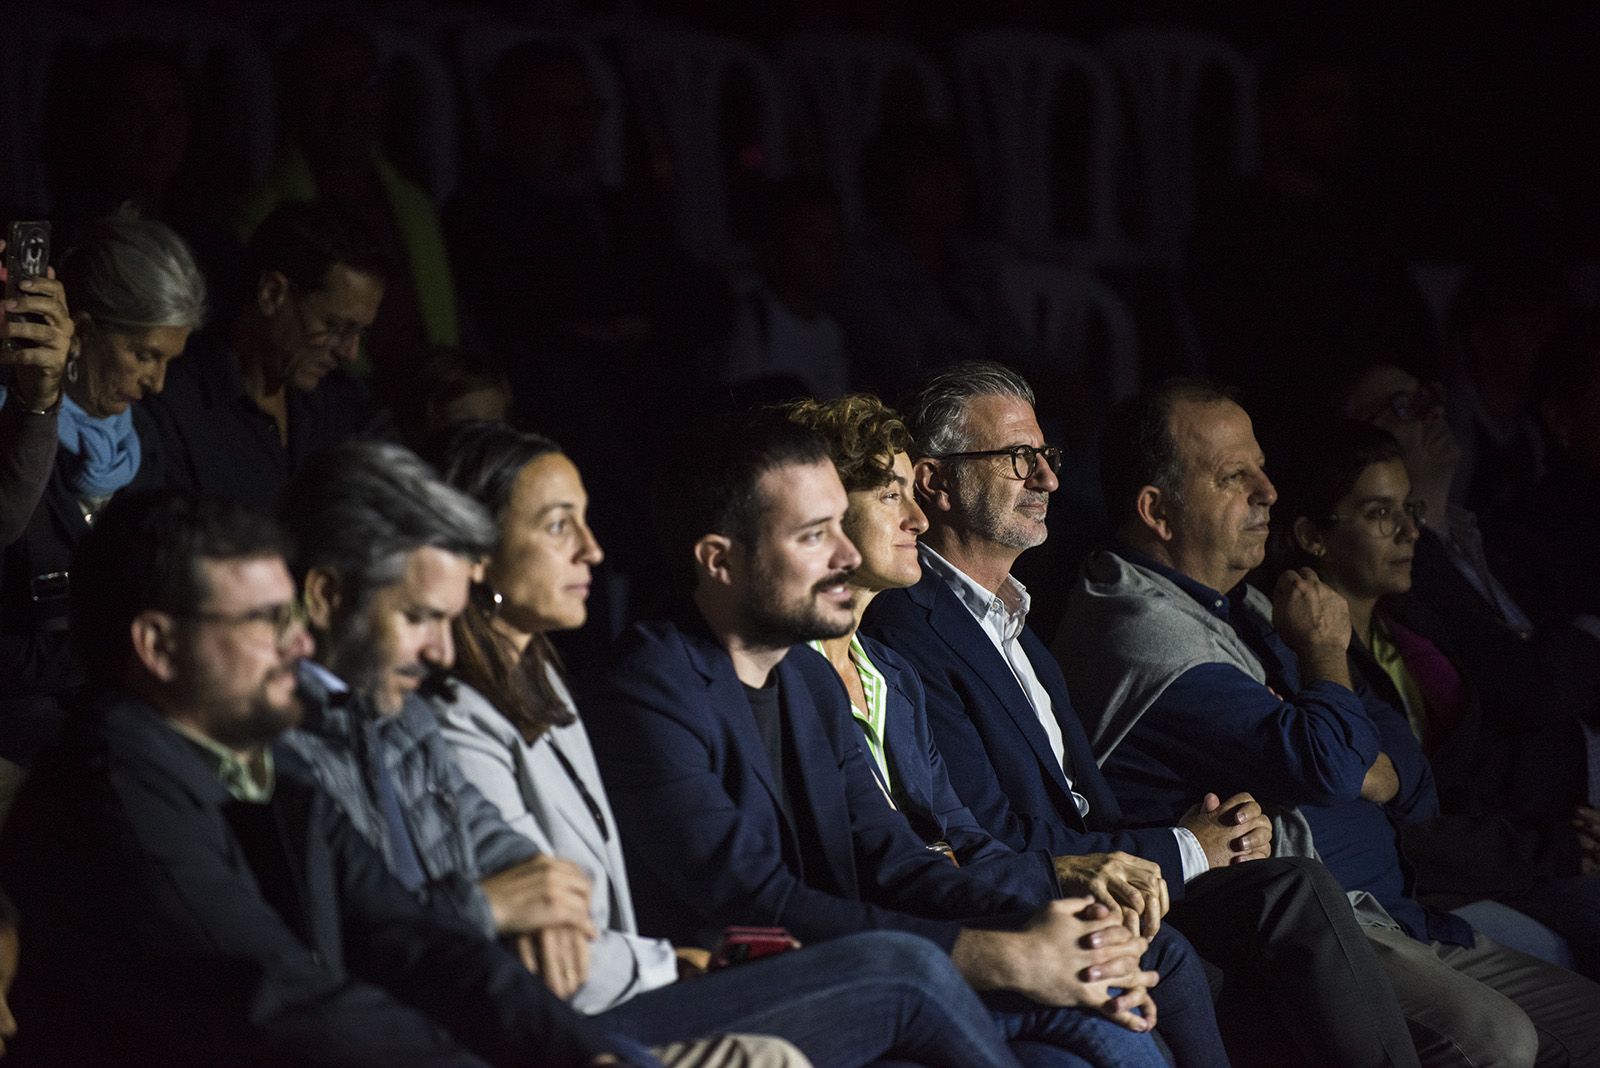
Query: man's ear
x=321, y=595
x=272, y=290
x=932, y=483
x=153, y=636
x=713, y=554
x=1308, y=537
x=1152, y=507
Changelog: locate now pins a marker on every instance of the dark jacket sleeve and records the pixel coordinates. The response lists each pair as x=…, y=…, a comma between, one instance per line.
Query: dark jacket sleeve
x=1417, y=799
x=27, y=449
x=1215, y=724
x=1029, y=875
x=447, y=970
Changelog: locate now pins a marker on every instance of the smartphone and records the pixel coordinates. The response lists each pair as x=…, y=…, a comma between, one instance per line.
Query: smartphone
x=27, y=256
x=740, y=945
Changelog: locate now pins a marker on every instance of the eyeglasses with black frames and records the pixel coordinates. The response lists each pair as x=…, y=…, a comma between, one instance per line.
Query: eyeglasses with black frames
x=1024, y=458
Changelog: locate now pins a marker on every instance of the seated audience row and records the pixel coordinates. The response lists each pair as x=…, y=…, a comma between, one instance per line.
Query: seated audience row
x=311, y=833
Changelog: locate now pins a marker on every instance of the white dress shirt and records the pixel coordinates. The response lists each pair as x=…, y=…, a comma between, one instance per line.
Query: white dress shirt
x=1002, y=615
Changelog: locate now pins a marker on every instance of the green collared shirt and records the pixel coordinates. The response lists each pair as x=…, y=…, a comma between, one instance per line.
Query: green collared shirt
x=246, y=780
x=874, y=719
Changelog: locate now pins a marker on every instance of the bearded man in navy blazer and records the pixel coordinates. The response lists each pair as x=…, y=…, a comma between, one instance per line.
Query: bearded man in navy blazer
x=740, y=785
x=1300, y=986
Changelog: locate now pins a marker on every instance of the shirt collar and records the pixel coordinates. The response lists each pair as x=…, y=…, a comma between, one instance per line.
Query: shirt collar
x=1010, y=603
x=249, y=780
x=1212, y=601
x=324, y=678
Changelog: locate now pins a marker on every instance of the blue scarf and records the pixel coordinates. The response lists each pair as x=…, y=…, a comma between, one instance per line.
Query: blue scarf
x=99, y=456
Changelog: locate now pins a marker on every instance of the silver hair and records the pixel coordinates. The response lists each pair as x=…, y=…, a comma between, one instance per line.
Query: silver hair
x=132, y=274
x=361, y=508
x=937, y=412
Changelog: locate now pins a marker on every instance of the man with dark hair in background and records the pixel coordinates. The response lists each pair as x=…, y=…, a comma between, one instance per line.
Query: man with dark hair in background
x=186, y=902
x=239, y=417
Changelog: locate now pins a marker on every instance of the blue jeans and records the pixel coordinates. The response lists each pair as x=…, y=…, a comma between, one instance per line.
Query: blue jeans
x=1186, y=1020
x=844, y=1003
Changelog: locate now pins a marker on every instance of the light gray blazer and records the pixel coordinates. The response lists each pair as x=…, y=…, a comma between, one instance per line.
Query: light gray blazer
x=538, y=799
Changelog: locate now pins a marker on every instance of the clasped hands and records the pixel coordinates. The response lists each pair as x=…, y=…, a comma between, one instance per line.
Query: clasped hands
x=542, y=906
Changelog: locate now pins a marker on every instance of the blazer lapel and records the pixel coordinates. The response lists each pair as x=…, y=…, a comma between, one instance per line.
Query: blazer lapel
x=821, y=780
x=725, y=698
x=966, y=639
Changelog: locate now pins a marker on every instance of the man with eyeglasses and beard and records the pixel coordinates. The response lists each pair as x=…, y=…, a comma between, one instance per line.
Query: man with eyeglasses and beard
x=185, y=901
x=1300, y=987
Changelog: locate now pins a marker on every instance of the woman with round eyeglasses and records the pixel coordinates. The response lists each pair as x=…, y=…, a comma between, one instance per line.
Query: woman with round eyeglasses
x=136, y=296
x=518, y=738
x=1348, y=512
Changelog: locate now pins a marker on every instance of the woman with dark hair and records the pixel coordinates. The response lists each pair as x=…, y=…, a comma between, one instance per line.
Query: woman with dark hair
x=1348, y=512
x=518, y=738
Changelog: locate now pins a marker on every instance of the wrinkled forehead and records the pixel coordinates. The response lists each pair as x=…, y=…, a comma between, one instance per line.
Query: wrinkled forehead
x=1208, y=433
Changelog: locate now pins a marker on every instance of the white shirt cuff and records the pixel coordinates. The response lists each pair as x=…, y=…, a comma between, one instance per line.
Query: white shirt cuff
x=1194, y=857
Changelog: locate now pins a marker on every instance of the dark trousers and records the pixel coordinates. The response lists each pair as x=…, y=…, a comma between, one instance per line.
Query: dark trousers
x=1300, y=983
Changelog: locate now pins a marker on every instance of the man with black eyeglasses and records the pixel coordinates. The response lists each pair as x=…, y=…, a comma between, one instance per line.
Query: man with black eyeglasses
x=185, y=901
x=270, y=386
x=1300, y=984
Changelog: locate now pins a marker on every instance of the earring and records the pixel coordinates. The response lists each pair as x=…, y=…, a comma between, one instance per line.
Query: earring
x=74, y=362
x=487, y=598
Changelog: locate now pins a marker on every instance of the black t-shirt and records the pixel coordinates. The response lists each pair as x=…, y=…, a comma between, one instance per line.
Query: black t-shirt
x=766, y=704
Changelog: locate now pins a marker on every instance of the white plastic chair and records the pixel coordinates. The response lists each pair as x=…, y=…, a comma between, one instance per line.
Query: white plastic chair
x=1010, y=89
x=1159, y=71
x=839, y=79
x=476, y=48
x=1056, y=310
x=679, y=79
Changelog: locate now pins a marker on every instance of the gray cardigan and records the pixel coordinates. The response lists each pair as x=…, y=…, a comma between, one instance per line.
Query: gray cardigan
x=1127, y=635
x=538, y=799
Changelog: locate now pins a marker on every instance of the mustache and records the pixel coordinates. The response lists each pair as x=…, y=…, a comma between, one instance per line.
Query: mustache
x=838, y=578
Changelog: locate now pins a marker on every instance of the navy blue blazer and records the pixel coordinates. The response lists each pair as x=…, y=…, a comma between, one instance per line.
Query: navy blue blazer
x=921, y=787
x=998, y=755
x=705, y=838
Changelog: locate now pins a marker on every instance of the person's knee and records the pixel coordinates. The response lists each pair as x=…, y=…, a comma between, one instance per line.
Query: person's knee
x=1303, y=876
x=1170, y=950
x=898, y=955
x=1480, y=1035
